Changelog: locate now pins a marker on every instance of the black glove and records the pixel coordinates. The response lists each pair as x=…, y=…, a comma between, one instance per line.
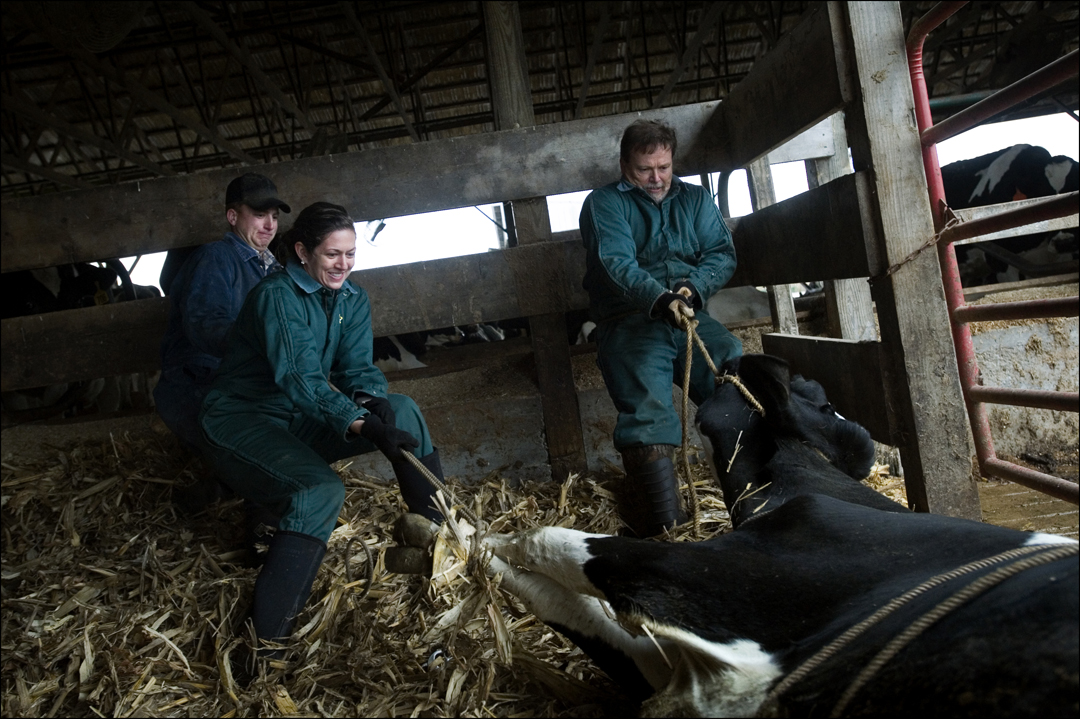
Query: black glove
x=380, y=407
x=695, y=298
x=389, y=439
x=664, y=308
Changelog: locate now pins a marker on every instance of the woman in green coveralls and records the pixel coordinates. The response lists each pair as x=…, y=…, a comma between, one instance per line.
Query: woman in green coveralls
x=296, y=391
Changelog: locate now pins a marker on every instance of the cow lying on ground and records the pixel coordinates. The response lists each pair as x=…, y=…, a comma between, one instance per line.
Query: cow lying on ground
x=813, y=553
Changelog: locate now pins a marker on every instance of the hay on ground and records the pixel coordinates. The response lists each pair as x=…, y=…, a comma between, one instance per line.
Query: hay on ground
x=115, y=605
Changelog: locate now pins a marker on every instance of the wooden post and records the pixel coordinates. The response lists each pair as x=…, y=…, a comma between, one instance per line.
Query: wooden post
x=512, y=104
x=921, y=378
x=762, y=195
x=847, y=302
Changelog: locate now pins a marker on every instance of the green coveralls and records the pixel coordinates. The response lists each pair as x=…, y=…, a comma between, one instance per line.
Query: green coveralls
x=636, y=251
x=272, y=419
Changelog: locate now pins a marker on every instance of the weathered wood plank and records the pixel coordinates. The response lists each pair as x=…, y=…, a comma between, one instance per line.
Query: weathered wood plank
x=82, y=344
x=919, y=363
x=782, y=97
x=848, y=303
x=817, y=235
x=816, y=143
x=512, y=102
x=762, y=196
x=518, y=282
x=849, y=371
x=536, y=279
x=791, y=89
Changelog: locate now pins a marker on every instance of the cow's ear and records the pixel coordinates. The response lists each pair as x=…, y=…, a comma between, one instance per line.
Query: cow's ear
x=769, y=380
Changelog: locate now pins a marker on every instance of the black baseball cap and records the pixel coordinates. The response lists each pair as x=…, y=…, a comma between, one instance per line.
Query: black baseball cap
x=256, y=191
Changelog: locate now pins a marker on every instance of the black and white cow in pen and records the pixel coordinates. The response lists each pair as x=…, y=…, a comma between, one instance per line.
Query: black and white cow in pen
x=713, y=628
x=1014, y=173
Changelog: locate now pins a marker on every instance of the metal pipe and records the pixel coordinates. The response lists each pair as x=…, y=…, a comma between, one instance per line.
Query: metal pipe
x=934, y=17
x=1038, y=398
x=1051, y=208
x=1043, y=79
x=947, y=102
x=1026, y=310
x=1049, y=484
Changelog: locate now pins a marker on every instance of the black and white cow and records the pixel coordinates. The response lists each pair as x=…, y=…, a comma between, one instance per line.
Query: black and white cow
x=73, y=286
x=1013, y=173
x=710, y=628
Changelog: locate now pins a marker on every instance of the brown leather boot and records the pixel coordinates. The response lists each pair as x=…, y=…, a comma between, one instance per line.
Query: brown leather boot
x=649, y=499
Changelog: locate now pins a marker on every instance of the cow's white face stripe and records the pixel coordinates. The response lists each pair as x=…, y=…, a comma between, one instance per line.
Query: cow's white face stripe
x=1042, y=538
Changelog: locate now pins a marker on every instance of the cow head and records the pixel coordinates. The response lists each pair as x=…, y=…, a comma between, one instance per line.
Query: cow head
x=799, y=446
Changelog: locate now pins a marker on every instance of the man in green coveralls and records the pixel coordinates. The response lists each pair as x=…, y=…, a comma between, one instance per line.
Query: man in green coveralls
x=657, y=248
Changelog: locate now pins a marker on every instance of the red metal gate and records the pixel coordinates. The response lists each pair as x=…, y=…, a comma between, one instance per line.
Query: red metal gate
x=950, y=230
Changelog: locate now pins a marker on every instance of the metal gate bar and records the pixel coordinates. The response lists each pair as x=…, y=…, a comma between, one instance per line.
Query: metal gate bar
x=975, y=395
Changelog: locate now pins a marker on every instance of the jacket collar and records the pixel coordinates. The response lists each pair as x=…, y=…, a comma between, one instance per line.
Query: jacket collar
x=308, y=283
x=241, y=248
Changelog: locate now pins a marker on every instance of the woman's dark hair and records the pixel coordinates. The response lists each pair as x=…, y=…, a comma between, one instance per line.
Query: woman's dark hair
x=645, y=136
x=314, y=223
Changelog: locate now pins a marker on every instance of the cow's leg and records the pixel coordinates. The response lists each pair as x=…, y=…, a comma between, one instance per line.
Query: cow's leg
x=626, y=658
x=557, y=553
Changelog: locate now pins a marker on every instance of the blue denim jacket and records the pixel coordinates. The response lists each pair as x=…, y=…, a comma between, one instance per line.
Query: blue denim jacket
x=636, y=250
x=205, y=299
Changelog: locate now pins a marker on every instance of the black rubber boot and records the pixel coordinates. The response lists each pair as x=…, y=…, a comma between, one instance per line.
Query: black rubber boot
x=283, y=586
x=649, y=500
x=417, y=492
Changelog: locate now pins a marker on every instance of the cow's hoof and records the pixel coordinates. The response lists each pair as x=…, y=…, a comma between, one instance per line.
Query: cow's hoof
x=407, y=560
x=415, y=530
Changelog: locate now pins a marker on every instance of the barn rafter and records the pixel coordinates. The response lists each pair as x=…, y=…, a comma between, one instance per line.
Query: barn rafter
x=195, y=86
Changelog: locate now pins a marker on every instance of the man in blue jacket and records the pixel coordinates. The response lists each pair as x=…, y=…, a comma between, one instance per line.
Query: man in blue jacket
x=205, y=297
x=656, y=248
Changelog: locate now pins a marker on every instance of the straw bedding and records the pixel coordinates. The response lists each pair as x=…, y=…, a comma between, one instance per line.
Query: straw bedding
x=116, y=605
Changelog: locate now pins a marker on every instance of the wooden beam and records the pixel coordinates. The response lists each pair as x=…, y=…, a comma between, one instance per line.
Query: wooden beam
x=815, y=143
x=82, y=344
x=512, y=103
x=763, y=196
x=387, y=83
x=785, y=94
x=817, y=235
x=848, y=371
x=30, y=111
x=153, y=216
x=848, y=304
x=919, y=363
x=244, y=57
x=704, y=31
x=537, y=279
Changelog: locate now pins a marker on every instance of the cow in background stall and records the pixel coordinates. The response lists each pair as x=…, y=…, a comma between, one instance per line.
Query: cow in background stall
x=759, y=621
x=1014, y=173
x=82, y=284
